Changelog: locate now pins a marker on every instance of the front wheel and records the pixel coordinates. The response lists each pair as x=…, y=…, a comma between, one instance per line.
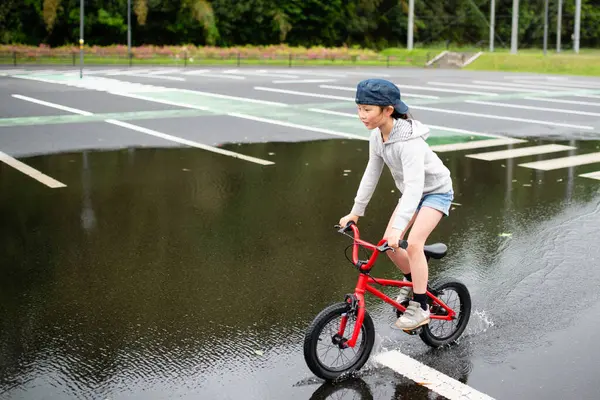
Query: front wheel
x=324, y=350
x=456, y=296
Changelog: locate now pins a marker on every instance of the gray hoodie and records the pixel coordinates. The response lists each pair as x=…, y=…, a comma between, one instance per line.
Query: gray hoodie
x=416, y=169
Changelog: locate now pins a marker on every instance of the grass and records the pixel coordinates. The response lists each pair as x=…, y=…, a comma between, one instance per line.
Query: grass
x=586, y=63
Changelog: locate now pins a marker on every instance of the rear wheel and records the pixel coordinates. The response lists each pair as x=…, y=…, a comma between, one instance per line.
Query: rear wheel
x=456, y=296
x=325, y=352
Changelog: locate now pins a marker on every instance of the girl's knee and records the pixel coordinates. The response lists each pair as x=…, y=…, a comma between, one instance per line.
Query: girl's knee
x=415, y=248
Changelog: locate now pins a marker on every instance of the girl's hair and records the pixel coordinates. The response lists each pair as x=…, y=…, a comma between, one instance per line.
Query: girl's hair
x=397, y=115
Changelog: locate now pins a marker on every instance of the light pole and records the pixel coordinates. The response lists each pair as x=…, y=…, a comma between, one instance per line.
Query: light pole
x=559, y=26
x=515, y=27
x=81, y=39
x=411, y=18
x=492, y=21
x=128, y=28
x=545, y=27
x=577, y=25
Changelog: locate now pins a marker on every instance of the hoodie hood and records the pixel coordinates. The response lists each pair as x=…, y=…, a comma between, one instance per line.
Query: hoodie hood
x=407, y=129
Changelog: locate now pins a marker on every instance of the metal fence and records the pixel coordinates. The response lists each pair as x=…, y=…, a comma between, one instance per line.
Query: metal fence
x=190, y=59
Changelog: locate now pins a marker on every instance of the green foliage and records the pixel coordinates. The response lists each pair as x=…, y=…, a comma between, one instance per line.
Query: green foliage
x=375, y=24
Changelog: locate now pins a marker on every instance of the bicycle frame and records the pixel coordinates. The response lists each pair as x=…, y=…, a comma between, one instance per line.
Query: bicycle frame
x=364, y=285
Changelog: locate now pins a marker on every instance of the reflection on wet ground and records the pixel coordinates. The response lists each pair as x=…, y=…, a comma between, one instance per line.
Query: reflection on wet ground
x=175, y=273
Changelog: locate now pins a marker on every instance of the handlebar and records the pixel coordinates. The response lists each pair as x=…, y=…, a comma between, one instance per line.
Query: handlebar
x=381, y=247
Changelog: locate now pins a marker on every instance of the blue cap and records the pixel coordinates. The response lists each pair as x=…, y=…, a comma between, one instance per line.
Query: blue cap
x=379, y=92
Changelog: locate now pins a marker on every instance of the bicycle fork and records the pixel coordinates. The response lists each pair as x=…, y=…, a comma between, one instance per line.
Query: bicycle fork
x=356, y=307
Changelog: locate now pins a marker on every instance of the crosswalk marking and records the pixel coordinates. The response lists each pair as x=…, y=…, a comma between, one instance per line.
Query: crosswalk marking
x=493, y=116
x=564, y=162
x=491, y=87
x=561, y=101
x=32, y=172
x=520, y=152
x=476, y=144
x=524, y=107
x=424, y=88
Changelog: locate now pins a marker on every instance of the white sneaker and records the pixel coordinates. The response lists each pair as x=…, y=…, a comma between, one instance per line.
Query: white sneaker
x=406, y=293
x=413, y=317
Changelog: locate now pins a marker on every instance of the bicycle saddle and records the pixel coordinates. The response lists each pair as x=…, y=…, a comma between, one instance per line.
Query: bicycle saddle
x=436, y=250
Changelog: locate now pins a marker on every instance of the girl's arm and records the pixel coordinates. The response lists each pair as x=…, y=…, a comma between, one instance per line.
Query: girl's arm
x=369, y=180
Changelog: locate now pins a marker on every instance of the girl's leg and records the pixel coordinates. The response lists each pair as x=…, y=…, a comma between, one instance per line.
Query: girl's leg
x=400, y=256
x=426, y=221
x=417, y=313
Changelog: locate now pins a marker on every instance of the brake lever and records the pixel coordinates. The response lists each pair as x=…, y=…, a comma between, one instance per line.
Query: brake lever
x=384, y=247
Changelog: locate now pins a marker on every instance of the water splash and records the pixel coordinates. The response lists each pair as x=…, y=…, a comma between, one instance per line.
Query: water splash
x=479, y=323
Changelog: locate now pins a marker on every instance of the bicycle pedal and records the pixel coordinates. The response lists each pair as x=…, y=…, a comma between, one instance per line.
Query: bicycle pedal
x=413, y=331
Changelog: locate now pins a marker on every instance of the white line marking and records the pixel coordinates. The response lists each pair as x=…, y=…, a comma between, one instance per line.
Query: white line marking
x=520, y=152
x=165, y=71
x=428, y=377
x=475, y=144
x=304, y=127
x=524, y=107
x=331, y=112
x=155, y=133
x=102, y=71
x=8, y=72
x=328, y=96
x=195, y=72
x=444, y=128
x=260, y=73
x=171, y=103
x=221, y=76
x=591, y=96
x=224, y=96
x=401, y=86
x=313, y=73
x=567, y=84
x=533, y=121
x=561, y=101
x=245, y=116
x=189, y=142
x=168, y=78
x=127, y=71
x=591, y=175
x=294, y=92
x=32, y=172
x=563, y=162
x=491, y=87
x=543, y=86
x=48, y=104
x=305, y=81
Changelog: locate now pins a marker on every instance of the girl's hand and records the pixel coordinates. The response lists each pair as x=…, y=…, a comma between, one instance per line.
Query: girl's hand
x=350, y=217
x=394, y=237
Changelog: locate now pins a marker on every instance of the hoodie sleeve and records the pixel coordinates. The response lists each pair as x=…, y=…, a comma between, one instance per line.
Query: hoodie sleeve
x=369, y=180
x=412, y=155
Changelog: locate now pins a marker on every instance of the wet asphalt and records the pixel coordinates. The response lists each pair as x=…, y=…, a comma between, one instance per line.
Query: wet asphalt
x=165, y=271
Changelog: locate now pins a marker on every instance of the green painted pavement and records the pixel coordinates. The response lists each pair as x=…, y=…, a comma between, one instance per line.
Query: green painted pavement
x=127, y=116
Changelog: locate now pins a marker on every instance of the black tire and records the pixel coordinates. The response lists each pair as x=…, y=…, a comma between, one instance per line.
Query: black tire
x=464, y=296
x=314, y=331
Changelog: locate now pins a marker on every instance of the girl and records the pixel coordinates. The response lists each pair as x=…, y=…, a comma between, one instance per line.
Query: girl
x=399, y=141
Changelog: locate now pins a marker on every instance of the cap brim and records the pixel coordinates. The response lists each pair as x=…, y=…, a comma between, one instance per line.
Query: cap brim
x=402, y=108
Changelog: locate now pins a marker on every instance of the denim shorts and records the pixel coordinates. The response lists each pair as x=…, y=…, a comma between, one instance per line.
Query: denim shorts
x=438, y=201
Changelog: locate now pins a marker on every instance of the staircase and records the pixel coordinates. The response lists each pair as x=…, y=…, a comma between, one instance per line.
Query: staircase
x=451, y=59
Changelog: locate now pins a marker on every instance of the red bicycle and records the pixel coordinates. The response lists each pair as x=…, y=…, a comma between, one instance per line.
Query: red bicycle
x=345, y=330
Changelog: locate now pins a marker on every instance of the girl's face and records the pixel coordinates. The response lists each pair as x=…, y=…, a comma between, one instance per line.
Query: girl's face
x=373, y=117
